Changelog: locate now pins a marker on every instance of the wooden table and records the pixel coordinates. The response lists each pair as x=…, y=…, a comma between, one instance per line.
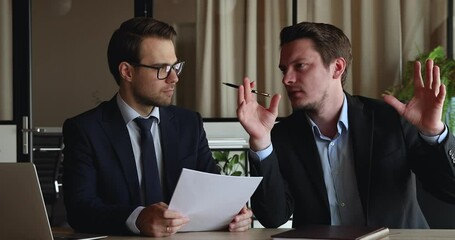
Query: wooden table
x=264, y=234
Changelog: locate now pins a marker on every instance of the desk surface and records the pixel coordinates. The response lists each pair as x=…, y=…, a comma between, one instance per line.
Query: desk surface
x=264, y=234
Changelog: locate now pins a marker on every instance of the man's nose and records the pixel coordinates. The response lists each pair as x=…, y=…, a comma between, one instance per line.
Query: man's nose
x=288, y=78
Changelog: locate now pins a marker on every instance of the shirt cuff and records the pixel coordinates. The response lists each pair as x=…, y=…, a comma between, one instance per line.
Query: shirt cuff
x=131, y=220
x=262, y=154
x=433, y=140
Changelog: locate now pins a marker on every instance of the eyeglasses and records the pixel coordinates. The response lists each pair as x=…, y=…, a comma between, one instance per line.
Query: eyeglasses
x=163, y=71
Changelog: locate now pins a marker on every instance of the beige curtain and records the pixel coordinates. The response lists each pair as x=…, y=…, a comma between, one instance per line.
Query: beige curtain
x=237, y=38
x=6, y=60
x=384, y=35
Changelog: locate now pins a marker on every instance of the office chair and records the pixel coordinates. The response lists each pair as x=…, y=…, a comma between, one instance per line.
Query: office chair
x=48, y=157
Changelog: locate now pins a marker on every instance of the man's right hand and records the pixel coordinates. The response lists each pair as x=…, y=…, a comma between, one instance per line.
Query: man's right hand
x=255, y=119
x=158, y=221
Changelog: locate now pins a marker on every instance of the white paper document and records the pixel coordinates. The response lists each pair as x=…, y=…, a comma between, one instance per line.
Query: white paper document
x=211, y=201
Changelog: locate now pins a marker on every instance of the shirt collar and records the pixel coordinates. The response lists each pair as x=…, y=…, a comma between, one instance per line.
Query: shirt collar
x=129, y=113
x=343, y=122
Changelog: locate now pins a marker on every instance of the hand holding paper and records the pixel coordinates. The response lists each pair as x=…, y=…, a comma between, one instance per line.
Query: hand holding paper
x=211, y=201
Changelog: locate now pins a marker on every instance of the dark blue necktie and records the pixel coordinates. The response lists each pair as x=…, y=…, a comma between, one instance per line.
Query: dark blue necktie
x=150, y=176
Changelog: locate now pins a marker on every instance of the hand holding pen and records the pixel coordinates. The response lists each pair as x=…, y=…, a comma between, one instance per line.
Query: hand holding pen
x=257, y=120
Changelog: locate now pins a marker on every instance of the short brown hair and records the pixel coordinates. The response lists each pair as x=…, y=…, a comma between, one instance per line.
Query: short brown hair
x=329, y=41
x=126, y=41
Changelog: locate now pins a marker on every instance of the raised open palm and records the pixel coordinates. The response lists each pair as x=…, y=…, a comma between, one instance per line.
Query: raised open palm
x=424, y=110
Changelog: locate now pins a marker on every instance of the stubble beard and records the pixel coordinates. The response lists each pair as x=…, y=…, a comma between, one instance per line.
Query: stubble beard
x=311, y=107
x=154, y=100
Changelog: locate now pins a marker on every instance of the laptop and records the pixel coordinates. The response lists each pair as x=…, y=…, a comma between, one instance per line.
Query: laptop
x=22, y=210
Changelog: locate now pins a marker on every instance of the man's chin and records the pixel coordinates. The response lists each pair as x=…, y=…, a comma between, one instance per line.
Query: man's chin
x=163, y=103
x=302, y=106
x=297, y=105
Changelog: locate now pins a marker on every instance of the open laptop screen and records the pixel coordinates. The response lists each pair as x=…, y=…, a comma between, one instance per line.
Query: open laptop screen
x=23, y=213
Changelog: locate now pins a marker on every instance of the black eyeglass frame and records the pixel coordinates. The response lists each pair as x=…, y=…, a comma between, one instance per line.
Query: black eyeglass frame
x=165, y=67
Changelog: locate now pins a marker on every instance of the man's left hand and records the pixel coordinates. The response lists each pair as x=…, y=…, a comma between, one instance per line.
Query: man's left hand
x=242, y=221
x=424, y=110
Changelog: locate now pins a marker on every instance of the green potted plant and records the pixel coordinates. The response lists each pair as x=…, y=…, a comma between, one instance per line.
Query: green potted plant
x=232, y=163
x=405, y=90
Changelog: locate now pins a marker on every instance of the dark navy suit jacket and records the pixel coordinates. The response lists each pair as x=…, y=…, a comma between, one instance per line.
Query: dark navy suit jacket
x=388, y=153
x=100, y=183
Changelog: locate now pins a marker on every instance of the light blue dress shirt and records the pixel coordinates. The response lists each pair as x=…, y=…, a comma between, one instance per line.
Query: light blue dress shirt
x=339, y=172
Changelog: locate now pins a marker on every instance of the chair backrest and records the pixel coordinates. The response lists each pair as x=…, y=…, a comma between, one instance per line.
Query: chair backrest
x=47, y=157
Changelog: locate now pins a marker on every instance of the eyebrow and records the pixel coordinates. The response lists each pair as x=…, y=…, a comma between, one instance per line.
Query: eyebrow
x=299, y=60
x=163, y=64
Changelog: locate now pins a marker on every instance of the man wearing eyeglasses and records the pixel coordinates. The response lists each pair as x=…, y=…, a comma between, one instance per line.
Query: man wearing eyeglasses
x=109, y=182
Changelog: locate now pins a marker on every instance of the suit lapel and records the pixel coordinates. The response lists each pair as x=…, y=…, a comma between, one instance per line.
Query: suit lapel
x=116, y=130
x=312, y=162
x=169, y=130
x=361, y=125
x=309, y=155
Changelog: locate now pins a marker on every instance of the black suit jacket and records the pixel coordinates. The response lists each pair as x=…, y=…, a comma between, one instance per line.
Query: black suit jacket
x=387, y=152
x=100, y=181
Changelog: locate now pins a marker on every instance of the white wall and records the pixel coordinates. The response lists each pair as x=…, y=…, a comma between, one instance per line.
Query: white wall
x=8, y=143
x=226, y=135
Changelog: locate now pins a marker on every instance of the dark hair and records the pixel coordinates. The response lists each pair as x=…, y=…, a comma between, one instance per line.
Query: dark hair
x=329, y=41
x=126, y=41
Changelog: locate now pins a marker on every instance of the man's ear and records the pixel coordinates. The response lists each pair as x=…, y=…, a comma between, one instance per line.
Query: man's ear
x=126, y=71
x=340, y=67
